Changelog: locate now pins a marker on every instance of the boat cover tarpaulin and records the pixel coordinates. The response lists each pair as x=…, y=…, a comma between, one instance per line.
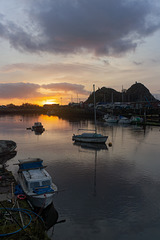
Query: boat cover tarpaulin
x=31, y=165
x=18, y=190
x=89, y=135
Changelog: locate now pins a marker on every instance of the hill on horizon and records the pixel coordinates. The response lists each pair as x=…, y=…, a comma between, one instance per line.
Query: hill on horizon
x=136, y=93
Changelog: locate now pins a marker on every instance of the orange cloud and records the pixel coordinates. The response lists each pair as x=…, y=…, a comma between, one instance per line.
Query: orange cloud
x=40, y=94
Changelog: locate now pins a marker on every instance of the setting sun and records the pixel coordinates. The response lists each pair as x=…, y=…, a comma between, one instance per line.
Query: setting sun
x=49, y=101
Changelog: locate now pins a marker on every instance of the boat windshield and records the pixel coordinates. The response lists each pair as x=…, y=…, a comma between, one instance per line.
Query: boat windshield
x=47, y=182
x=34, y=184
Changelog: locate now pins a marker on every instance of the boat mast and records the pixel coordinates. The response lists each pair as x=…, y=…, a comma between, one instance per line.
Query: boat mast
x=94, y=108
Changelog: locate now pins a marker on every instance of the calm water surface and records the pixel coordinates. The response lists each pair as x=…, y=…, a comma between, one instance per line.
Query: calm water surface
x=110, y=193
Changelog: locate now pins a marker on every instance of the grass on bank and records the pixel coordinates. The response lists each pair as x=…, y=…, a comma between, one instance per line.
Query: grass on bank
x=12, y=223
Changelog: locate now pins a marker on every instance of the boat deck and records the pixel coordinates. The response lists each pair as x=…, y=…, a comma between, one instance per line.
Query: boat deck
x=36, y=174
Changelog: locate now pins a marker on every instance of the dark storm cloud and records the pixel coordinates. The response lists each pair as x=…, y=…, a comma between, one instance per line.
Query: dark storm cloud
x=103, y=27
x=30, y=90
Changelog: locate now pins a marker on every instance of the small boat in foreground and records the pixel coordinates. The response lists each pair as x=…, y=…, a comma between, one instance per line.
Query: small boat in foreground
x=36, y=182
x=7, y=146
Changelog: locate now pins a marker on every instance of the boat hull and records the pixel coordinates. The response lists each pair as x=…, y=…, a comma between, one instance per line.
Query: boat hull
x=41, y=201
x=89, y=139
x=124, y=121
x=38, y=200
x=111, y=119
x=7, y=146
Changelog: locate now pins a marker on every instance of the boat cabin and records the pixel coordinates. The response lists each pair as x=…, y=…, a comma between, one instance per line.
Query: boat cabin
x=38, y=124
x=36, y=179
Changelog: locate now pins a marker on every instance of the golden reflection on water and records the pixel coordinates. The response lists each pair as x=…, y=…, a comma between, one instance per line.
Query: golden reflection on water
x=53, y=122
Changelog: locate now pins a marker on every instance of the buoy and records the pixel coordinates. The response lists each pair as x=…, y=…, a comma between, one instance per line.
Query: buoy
x=21, y=196
x=110, y=144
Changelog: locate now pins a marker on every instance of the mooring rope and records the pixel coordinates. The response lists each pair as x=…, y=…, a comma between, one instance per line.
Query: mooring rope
x=26, y=211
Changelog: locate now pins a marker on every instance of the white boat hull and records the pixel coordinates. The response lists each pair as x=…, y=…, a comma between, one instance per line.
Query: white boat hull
x=38, y=200
x=124, y=120
x=41, y=201
x=111, y=119
x=136, y=120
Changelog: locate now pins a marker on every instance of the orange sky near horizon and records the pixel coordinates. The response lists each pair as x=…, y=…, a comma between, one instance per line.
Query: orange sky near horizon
x=40, y=101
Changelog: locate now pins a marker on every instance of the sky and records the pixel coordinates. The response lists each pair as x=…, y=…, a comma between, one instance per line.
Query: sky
x=53, y=51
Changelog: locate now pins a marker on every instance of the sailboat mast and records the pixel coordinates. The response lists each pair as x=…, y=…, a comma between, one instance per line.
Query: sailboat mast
x=94, y=108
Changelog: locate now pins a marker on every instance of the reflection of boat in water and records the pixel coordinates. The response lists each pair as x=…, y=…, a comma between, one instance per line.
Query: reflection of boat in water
x=92, y=146
x=50, y=216
x=90, y=137
x=7, y=146
x=36, y=182
x=5, y=158
x=38, y=132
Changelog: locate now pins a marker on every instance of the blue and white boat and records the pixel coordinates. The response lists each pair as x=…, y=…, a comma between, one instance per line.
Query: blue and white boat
x=36, y=182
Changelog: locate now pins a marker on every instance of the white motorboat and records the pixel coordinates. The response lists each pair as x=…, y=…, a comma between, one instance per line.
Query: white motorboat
x=124, y=120
x=111, y=118
x=36, y=182
x=91, y=137
x=7, y=146
x=136, y=120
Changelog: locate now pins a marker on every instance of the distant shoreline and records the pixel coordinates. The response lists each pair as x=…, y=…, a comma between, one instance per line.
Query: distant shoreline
x=152, y=115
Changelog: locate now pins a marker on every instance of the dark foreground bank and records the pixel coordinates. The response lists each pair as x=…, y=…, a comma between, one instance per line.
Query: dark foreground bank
x=17, y=218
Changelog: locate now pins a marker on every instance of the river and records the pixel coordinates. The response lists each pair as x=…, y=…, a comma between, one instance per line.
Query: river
x=108, y=193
